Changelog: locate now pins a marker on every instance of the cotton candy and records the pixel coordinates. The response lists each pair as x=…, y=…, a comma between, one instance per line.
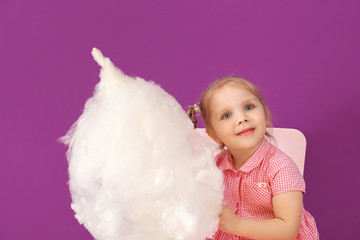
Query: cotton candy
x=137, y=168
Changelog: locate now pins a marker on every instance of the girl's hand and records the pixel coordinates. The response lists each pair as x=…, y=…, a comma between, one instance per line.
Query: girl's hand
x=228, y=220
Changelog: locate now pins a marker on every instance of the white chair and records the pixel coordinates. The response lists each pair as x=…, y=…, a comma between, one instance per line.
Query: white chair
x=290, y=141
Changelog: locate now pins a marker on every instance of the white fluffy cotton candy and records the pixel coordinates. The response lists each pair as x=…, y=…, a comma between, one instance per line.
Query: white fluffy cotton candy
x=137, y=168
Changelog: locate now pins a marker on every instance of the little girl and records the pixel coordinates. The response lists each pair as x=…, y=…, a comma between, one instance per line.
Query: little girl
x=263, y=186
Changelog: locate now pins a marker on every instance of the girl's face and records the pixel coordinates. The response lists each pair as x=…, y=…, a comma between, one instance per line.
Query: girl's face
x=237, y=119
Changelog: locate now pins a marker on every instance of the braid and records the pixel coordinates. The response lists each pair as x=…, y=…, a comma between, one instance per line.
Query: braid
x=192, y=110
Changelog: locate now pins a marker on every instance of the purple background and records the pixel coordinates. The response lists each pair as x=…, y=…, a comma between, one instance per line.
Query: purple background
x=304, y=56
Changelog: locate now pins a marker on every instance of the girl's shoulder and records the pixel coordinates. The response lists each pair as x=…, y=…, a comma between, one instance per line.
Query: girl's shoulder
x=277, y=159
x=221, y=158
x=282, y=173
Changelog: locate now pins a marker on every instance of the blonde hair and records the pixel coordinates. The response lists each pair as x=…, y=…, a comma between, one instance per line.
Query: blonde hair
x=209, y=92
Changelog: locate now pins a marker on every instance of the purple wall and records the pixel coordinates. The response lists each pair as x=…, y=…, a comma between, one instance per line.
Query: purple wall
x=304, y=55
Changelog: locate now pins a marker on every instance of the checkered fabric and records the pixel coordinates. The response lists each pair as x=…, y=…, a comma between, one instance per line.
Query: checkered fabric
x=249, y=190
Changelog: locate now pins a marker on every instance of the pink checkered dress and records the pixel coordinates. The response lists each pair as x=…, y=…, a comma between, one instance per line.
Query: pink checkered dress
x=249, y=190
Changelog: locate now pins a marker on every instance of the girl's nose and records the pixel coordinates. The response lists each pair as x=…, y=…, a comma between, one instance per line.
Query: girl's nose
x=242, y=118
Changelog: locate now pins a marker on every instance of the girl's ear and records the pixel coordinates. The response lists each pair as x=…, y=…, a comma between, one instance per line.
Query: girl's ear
x=212, y=135
x=267, y=122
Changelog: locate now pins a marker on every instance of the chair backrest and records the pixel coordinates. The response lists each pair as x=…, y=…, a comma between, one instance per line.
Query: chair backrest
x=290, y=141
x=293, y=143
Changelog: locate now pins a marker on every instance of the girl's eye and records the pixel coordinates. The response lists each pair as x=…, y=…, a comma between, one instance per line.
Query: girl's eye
x=226, y=115
x=249, y=107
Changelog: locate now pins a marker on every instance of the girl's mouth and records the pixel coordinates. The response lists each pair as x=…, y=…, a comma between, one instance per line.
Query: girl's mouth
x=246, y=132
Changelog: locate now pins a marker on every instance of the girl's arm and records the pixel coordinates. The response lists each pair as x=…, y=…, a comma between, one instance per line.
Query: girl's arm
x=285, y=224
